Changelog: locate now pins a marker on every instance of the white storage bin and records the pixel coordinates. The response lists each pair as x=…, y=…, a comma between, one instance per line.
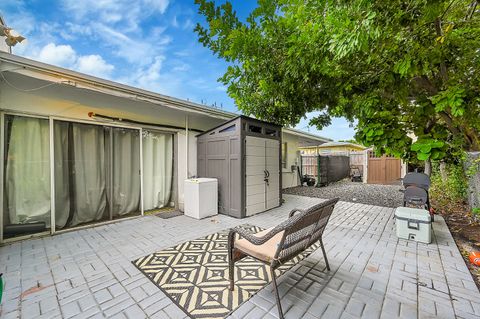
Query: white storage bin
x=414, y=224
x=201, y=197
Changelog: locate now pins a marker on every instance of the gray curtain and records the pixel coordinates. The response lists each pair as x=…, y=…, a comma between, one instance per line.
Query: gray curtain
x=62, y=173
x=89, y=181
x=80, y=179
x=126, y=172
x=157, y=169
x=97, y=173
x=27, y=171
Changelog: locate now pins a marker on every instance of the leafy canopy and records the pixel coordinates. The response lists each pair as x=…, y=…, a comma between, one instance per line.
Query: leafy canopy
x=398, y=67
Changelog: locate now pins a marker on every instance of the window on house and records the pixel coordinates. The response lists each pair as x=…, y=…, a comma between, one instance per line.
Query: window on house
x=284, y=155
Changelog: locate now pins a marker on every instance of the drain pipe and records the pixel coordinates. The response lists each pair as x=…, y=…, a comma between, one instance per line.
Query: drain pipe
x=186, y=146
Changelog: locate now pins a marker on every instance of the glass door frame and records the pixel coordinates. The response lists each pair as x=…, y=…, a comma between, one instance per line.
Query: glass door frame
x=51, y=120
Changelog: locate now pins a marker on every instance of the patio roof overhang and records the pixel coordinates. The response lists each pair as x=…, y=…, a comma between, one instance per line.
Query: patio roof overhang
x=78, y=94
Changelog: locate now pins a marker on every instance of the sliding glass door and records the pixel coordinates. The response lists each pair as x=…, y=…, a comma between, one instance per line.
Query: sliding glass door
x=97, y=173
x=26, y=184
x=96, y=170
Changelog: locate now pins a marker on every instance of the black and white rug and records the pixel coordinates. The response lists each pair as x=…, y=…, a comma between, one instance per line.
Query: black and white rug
x=194, y=275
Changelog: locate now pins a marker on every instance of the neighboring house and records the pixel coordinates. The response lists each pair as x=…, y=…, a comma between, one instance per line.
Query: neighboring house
x=332, y=147
x=80, y=149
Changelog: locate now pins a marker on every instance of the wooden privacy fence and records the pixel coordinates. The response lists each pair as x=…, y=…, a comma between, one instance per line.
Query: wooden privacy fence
x=384, y=169
x=309, y=165
x=358, y=159
x=377, y=170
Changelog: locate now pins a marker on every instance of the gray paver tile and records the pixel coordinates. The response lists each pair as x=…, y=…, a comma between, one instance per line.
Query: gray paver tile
x=88, y=273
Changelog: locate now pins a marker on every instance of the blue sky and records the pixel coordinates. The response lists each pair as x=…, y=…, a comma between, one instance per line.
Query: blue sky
x=144, y=43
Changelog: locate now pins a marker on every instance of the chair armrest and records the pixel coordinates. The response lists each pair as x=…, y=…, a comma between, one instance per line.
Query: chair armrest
x=251, y=238
x=293, y=211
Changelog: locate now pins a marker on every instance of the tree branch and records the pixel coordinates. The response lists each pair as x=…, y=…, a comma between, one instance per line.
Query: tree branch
x=448, y=8
x=443, y=67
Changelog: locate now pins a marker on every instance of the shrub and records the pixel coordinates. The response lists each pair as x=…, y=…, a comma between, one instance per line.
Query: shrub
x=452, y=191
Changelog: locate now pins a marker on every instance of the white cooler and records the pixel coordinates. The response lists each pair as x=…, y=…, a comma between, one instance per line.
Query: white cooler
x=414, y=224
x=201, y=197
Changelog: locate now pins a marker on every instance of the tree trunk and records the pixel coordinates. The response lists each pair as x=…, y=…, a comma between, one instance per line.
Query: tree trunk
x=443, y=171
x=428, y=167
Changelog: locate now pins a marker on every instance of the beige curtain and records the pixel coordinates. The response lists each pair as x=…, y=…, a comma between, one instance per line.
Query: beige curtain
x=157, y=169
x=27, y=172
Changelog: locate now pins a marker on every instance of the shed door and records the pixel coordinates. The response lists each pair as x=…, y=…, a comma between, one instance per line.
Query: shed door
x=262, y=160
x=272, y=152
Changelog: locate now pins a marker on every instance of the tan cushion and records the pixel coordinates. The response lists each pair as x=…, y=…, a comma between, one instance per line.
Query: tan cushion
x=264, y=252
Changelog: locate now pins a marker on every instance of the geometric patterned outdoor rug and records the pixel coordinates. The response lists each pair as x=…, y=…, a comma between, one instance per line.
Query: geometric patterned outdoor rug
x=194, y=275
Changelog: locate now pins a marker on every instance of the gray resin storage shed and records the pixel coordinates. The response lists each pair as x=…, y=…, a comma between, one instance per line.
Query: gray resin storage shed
x=244, y=154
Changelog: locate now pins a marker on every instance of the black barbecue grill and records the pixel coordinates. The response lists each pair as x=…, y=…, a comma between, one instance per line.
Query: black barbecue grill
x=415, y=193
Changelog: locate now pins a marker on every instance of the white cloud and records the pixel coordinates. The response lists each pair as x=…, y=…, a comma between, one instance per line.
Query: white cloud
x=175, y=22
x=65, y=56
x=125, y=12
x=148, y=76
x=61, y=55
x=93, y=65
x=157, y=5
x=188, y=24
x=135, y=49
x=181, y=67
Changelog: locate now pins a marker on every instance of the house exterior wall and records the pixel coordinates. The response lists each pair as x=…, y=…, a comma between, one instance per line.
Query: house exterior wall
x=182, y=171
x=46, y=105
x=289, y=178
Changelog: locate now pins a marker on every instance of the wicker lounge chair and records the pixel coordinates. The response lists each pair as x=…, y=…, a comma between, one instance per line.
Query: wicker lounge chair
x=279, y=244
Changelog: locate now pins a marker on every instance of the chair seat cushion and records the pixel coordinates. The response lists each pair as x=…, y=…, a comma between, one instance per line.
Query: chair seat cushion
x=264, y=252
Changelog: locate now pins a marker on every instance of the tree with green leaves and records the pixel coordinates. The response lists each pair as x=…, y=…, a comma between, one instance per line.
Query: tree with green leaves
x=402, y=69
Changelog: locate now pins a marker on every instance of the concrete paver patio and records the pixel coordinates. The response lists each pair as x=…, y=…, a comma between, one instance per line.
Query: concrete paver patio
x=88, y=273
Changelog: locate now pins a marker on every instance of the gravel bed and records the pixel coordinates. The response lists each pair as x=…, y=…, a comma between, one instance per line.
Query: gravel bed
x=372, y=194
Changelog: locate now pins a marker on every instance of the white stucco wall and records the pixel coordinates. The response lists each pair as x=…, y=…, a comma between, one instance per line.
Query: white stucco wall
x=289, y=178
x=182, y=162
